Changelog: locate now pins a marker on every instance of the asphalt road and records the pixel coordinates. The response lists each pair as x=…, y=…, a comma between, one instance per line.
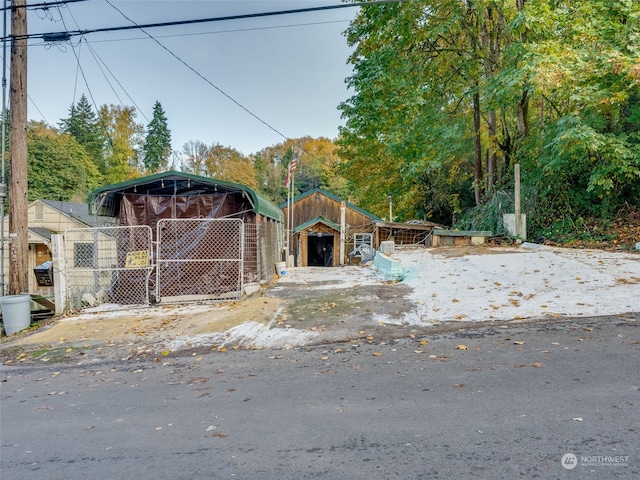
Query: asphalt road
x=494, y=403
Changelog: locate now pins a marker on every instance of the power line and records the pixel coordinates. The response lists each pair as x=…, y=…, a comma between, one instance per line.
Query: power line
x=264, y=122
x=66, y=35
x=42, y=5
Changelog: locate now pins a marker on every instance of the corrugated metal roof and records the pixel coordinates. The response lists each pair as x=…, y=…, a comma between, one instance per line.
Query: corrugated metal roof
x=105, y=200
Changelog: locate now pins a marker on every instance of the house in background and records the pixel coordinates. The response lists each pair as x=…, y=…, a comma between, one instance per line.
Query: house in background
x=45, y=218
x=317, y=220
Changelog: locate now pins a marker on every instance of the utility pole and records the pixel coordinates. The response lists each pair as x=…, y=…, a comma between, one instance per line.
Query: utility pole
x=18, y=236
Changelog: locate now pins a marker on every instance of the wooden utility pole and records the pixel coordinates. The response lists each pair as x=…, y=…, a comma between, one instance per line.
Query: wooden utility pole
x=18, y=236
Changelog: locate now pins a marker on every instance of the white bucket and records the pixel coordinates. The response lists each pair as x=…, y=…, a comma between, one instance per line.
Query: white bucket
x=281, y=268
x=16, y=313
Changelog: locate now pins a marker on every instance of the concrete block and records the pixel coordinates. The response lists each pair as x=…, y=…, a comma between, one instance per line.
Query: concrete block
x=387, y=246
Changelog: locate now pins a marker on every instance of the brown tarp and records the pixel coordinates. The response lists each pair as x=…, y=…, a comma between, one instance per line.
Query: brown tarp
x=192, y=278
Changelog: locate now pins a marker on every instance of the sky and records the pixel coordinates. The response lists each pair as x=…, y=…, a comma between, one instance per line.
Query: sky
x=288, y=70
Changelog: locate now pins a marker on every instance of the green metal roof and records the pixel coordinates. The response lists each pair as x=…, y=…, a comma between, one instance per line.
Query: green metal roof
x=335, y=198
x=105, y=200
x=313, y=221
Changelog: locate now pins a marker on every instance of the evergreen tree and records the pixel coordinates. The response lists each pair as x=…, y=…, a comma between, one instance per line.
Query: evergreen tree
x=157, y=146
x=84, y=125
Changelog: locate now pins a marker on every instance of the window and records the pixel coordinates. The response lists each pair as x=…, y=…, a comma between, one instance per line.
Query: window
x=39, y=211
x=362, y=239
x=83, y=255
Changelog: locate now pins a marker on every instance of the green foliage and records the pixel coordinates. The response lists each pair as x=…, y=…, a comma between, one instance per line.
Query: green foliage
x=84, y=125
x=124, y=141
x=157, y=144
x=59, y=168
x=557, y=86
x=318, y=166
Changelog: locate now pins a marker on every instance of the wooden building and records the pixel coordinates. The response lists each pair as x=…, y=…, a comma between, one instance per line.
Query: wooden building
x=321, y=225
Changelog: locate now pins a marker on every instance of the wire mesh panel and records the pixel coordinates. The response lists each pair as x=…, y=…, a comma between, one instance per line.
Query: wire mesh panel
x=108, y=264
x=263, y=249
x=200, y=258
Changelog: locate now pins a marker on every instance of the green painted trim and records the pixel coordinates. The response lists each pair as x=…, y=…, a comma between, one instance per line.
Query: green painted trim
x=318, y=219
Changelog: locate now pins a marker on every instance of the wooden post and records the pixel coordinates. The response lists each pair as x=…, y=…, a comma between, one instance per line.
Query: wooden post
x=516, y=169
x=18, y=228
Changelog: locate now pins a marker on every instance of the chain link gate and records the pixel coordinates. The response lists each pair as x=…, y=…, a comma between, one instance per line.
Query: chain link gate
x=200, y=258
x=108, y=265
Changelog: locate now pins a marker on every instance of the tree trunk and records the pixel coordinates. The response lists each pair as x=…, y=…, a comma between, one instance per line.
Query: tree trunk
x=477, y=144
x=491, y=155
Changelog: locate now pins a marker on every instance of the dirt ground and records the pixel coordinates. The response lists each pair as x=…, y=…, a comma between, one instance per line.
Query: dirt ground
x=308, y=307
x=338, y=313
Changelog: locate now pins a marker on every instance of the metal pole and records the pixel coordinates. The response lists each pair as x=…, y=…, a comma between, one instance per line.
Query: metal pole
x=293, y=174
x=286, y=251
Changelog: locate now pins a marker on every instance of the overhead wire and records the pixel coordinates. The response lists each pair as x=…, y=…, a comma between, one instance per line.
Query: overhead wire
x=235, y=30
x=67, y=34
x=41, y=5
x=209, y=82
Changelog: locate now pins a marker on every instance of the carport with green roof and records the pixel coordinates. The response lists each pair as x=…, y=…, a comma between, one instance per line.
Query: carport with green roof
x=209, y=237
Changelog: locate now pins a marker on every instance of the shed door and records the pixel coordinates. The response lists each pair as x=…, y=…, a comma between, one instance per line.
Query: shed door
x=320, y=250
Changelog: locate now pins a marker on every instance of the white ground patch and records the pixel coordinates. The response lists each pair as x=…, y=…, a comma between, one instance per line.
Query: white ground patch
x=531, y=281
x=448, y=284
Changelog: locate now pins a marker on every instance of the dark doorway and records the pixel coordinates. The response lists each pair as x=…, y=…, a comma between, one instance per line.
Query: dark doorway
x=320, y=250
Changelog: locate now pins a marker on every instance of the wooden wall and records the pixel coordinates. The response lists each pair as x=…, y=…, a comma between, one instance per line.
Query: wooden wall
x=317, y=204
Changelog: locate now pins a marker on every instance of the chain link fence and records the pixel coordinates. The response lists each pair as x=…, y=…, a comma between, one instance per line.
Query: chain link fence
x=193, y=259
x=200, y=258
x=263, y=249
x=108, y=265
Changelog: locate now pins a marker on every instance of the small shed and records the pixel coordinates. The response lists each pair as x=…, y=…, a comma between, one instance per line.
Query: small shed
x=319, y=221
x=209, y=237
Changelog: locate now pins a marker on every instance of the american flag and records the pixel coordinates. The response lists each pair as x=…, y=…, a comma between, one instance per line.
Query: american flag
x=292, y=168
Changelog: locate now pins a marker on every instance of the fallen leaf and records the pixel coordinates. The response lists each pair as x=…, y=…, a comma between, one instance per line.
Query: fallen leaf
x=377, y=354
x=518, y=342
x=424, y=342
x=462, y=347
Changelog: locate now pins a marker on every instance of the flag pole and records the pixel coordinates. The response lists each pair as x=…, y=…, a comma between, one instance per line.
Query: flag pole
x=293, y=174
